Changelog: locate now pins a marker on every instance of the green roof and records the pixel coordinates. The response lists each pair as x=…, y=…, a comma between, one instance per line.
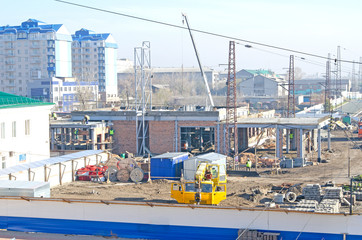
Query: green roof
x=261, y=71
x=8, y=100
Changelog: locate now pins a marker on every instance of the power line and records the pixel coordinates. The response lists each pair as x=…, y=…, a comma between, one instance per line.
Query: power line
x=204, y=32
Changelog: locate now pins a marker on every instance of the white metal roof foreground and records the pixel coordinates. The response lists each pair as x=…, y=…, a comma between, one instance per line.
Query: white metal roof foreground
x=48, y=161
x=286, y=123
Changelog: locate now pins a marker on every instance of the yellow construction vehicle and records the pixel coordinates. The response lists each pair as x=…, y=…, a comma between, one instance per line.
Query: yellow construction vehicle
x=209, y=186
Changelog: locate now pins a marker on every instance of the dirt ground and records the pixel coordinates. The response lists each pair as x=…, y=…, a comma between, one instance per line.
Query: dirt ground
x=241, y=191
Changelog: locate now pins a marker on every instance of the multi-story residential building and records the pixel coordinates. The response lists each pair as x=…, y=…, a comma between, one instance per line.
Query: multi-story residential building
x=67, y=93
x=33, y=51
x=95, y=59
x=24, y=130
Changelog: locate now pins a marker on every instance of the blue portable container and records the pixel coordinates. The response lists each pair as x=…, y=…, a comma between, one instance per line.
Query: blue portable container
x=168, y=165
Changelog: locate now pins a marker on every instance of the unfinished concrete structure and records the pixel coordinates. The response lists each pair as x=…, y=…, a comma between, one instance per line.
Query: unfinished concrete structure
x=172, y=131
x=303, y=131
x=68, y=135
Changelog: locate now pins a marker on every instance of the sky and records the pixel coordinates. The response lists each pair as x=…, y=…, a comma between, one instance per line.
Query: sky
x=312, y=26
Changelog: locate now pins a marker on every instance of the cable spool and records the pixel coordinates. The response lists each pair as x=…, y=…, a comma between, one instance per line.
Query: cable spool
x=111, y=174
x=137, y=175
x=123, y=175
x=291, y=197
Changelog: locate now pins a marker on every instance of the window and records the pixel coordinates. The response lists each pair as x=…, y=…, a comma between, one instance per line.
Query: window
x=2, y=132
x=3, y=162
x=27, y=127
x=56, y=89
x=13, y=132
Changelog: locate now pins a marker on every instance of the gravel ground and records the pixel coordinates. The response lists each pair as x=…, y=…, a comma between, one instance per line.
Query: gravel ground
x=241, y=191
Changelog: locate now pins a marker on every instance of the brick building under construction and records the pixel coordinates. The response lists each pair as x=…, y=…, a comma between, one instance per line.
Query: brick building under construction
x=173, y=131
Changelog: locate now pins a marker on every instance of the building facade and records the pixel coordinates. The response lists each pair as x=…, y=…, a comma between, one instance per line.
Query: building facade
x=68, y=94
x=95, y=59
x=24, y=131
x=173, y=131
x=263, y=87
x=33, y=51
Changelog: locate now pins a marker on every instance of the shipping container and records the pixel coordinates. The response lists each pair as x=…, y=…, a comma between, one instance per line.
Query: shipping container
x=168, y=165
x=24, y=188
x=190, y=165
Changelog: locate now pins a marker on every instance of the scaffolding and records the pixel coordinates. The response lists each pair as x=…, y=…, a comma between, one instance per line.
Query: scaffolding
x=143, y=95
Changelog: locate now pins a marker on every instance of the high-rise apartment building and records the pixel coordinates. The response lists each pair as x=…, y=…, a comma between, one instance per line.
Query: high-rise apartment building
x=94, y=58
x=33, y=51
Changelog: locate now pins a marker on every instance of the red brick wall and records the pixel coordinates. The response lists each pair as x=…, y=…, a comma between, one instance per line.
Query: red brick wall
x=124, y=137
x=162, y=134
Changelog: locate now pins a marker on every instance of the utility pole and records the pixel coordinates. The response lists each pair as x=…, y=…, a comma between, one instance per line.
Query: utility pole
x=327, y=105
x=359, y=75
x=291, y=89
x=339, y=77
x=231, y=127
x=353, y=78
x=328, y=97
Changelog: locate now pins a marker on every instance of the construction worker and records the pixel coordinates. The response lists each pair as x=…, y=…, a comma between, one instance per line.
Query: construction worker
x=54, y=116
x=291, y=135
x=76, y=133
x=111, y=132
x=248, y=165
x=86, y=119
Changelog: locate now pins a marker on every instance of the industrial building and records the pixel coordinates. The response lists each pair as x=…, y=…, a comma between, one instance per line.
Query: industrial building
x=24, y=135
x=261, y=86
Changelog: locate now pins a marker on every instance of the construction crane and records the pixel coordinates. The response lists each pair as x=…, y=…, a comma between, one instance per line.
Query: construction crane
x=199, y=62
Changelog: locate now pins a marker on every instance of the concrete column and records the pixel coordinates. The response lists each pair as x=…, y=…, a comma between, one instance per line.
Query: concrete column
x=288, y=140
x=244, y=139
x=93, y=138
x=176, y=136
x=293, y=142
x=62, y=132
x=279, y=143
x=52, y=139
x=300, y=146
x=319, y=145
x=218, y=138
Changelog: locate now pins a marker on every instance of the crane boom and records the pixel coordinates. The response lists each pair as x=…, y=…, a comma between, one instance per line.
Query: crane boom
x=199, y=62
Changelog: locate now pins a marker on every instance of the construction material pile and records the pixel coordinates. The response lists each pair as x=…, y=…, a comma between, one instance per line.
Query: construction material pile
x=328, y=206
x=312, y=192
x=243, y=157
x=123, y=170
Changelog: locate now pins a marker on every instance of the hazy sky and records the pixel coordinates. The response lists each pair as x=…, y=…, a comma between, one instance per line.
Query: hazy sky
x=313, y=26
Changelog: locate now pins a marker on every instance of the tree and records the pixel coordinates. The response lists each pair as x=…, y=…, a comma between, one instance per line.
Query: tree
x=298, y=73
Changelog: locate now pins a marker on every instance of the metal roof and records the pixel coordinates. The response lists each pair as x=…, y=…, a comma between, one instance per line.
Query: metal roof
x=171, y=155
x=21, y=184
x=48, y=161
x=8, y=100
x=299, y=123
